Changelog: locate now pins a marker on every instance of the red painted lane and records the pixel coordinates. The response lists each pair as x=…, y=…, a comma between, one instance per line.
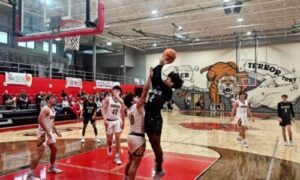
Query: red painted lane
x=97, y=165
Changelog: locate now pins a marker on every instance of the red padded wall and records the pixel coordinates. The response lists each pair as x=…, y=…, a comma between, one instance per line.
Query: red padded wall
x=42, y=84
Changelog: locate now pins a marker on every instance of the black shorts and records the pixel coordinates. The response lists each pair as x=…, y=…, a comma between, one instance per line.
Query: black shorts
x=153, y=123
x=86, y=120
x=285, y=122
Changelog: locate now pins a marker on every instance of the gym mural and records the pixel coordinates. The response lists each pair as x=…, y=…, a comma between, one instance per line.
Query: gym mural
x=263, y=82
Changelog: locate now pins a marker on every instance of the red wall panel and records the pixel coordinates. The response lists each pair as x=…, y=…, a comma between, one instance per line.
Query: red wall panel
x=42, y=84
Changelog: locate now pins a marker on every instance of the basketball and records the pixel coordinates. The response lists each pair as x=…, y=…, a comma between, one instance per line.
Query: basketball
x=169, y=55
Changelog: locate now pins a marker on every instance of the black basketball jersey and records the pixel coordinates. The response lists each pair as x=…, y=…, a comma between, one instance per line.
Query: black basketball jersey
x=285, y=110
x=160, y=92
x=89, y=109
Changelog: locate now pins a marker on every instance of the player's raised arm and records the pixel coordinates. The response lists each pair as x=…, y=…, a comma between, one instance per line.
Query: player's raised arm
x=146, y=88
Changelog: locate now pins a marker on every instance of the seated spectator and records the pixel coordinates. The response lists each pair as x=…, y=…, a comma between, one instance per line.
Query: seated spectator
x=9, y=101
x=66, y=109
x=63, y=93
x=80, y=93
x=23, y=100
x=43, y=102
x=76, y=108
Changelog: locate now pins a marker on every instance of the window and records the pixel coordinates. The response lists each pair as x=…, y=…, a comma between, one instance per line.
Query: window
x=22, y=44
x=54, y=48
x=3, y=37
x=29, y=45
x=46, y=47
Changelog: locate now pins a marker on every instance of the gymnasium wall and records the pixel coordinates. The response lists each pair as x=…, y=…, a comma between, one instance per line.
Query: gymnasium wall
x=213, y=73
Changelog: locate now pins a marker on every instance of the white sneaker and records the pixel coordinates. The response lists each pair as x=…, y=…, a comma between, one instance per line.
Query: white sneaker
x=158, y=175
x=109, y=151
x=117, y=160
x=54, y=170
x=244, y=144
x=286, y=143
x=97, y=139
x=31, y=176
x=291, y=143
x=82, y=140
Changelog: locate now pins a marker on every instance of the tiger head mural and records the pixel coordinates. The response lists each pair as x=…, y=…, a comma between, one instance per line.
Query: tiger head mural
x=222, y=80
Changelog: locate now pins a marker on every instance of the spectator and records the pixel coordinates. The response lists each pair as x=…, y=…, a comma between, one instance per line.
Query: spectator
x=8, y=100
x=43, y=102
x=187, y=102
x=66, y=108
x=23, y=100
x=199, y=104
x=76, y=108
x=63, y=94
x=38, y=100
x=170, y=105
x=80, y=93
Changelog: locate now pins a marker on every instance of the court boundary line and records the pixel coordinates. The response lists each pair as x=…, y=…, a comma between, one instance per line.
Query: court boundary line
x=272, y=160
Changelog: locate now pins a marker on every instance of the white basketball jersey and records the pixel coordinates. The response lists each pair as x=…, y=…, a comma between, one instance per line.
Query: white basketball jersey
x=241, y=110
x=136, y=119
x=114, y=109
x=49, y=119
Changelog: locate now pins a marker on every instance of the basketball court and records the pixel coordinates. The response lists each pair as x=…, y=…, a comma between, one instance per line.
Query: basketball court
x=224, y=49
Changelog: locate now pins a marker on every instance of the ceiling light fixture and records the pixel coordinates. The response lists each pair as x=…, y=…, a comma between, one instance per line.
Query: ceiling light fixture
x=240, y=20
x=249, y=33
x=109, y=43
x=154, y=45
x=154, y=12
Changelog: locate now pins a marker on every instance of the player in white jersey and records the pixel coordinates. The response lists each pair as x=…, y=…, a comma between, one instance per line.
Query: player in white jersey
x=136, y=137
x=112, y=113
x=241, y=111
x=46, y=137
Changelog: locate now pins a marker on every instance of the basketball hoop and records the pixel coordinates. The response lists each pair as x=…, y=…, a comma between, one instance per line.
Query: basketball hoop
x=73, y=42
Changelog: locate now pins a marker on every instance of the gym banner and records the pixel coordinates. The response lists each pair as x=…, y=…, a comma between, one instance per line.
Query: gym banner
x=73, y=82
x=106, y=84
x=18, y=79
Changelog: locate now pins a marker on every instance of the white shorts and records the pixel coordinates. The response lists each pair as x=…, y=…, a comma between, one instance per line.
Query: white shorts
x=244, y=120
x=113, y=127
x=44, y=140
x=134, y=143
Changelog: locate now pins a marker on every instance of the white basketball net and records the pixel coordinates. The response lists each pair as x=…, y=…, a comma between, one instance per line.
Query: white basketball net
x=72, y=43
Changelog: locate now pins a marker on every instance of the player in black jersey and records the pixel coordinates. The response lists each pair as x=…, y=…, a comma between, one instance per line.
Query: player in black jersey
x=88, y=114
x=286, y=112
x=161, y=92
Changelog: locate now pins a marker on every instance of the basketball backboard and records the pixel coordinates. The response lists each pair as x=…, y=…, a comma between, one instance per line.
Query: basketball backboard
x=44, y=19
